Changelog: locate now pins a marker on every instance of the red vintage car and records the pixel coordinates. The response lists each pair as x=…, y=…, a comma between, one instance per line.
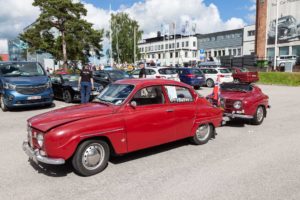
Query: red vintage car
x=242, y=101
x=127, y=116
x=243, y=75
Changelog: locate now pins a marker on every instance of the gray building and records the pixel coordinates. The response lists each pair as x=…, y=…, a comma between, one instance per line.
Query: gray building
x=218, y=44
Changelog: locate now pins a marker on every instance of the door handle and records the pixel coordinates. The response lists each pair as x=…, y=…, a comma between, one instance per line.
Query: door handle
x=170, y=110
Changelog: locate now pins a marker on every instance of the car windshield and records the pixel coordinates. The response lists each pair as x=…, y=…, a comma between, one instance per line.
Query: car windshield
x=21, y=69
x=236, y=87
x=71, y=78
x=115, y=94
x=116, y=75
x=167, y=71
x=224, y=71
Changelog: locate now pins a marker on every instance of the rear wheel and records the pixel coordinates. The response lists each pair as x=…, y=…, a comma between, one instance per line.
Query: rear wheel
x=67, y=96
x=2, y=104
x=202, y=134
x=91, y=157
x=210, y=83
x=259, y=115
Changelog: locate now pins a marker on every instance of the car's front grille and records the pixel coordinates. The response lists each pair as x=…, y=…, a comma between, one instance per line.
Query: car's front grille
x=33, y=101
x=27, y=90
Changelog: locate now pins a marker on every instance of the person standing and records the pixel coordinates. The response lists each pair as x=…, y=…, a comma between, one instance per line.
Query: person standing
x=142, y=73
x=85, y=84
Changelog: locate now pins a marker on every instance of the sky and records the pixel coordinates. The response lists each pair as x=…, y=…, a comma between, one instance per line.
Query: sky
x=208, y=15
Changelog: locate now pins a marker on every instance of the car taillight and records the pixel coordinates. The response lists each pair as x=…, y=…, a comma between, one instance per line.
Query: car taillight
x=160, y=77
x=191, y=75
x=222, y=76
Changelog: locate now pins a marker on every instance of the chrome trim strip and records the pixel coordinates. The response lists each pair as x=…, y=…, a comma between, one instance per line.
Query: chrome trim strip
x=238, y=116
x=36, y=156
x=101, y=133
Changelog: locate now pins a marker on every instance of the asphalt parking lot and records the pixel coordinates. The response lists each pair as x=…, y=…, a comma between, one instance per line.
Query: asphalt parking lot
x=243, y=162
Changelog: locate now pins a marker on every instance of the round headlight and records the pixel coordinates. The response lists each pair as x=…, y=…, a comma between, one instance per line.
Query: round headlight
x=237, y=104
x=40, y=139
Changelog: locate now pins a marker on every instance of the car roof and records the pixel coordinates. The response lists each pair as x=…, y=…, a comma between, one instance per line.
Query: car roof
x=145, y=81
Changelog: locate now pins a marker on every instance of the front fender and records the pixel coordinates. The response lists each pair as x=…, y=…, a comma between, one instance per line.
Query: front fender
x=62, y=141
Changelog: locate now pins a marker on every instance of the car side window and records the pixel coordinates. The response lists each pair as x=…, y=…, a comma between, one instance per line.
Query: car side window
x=55, y=79
x=136, y=72
x=213, y=71
x=149, y=96
x=150, y=72
x=178, y=94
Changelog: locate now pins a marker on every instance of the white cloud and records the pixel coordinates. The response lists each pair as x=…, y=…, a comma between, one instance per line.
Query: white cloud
x=251, y=17
x=15, y=15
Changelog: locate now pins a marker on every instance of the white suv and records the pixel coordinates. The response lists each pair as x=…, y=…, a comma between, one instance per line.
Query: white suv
x=158, y=72
x=211, y=75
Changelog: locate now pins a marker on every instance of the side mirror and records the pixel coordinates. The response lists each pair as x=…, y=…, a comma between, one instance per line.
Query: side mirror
x=133, y=104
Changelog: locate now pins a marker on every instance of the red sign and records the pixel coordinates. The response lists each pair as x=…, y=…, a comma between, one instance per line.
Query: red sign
x=5, y=57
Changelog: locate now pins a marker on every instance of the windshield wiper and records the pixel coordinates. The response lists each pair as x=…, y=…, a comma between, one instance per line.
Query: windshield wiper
x=101, y=101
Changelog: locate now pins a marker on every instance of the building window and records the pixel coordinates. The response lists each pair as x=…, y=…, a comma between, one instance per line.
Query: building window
x=158, y=47
x=296, y=50
x=182, y=44
x=177, y=44
x=148, y=55
x=215, y=53
x=213, y=38
x=251, y=33
x=232, y=35
x=171, y=55
x=223, y=52
x=194, y=44
x=186, y=54
x=173, y=45
x=230, y=52
x=270, y=52
x=234, y=52
x=221, y=37
x=164, y=56
x=283, y=51
x=219, y=53
x=162, y=47
x=176, y=54
x=187, y=43
x=239, y=52
x=159, y=56
x=153, y=56
x=170, y=46
x=166, y=46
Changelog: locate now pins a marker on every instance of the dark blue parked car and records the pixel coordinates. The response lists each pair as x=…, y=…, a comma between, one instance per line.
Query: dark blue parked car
x=191, y=76
x=24, y=84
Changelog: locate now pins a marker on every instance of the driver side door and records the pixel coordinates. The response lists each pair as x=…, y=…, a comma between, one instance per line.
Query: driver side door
x=150, y=122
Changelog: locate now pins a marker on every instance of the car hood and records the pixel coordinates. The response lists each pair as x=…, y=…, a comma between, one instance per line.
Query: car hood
x=235, y=95
x=30, y=80
x=45, y=122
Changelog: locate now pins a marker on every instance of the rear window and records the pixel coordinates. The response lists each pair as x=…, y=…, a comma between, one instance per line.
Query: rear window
x=244, y=70
x=209, y=71
x=197, y=72
x=224, y=71
x=167, y=71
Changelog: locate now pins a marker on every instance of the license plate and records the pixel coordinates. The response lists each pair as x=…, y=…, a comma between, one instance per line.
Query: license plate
x=253, y=75
x=34, y=97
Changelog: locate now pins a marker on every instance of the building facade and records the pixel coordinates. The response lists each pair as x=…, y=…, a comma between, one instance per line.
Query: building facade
x=4, y=49
x=169, y=50
x=287, y=42
x=225, y=43
x=249, y=40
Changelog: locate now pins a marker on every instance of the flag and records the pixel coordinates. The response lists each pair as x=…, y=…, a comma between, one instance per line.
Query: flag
x=183, y=29
x=194, y=27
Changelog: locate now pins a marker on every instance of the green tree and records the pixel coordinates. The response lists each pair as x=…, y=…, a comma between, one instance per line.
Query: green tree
x=123, y=28
x=61, y=31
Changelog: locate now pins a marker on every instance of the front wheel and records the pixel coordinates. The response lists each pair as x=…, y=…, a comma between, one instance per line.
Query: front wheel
x=91, y=157
x=259, y=115
x=210, y=83
x=67, y=96
x=202, y=134
x=2, y=104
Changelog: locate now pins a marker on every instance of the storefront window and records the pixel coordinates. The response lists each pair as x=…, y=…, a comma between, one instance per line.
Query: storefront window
x=283, y=51
x=270, y=52
x=296, y=50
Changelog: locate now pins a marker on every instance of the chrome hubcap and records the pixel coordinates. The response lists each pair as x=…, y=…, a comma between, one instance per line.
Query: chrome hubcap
x=202, y=132
x=93, y=156
x=66, y=95
x=260, y=114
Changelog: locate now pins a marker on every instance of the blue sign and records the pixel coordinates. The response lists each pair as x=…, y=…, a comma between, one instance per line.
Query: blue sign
x=202, y=51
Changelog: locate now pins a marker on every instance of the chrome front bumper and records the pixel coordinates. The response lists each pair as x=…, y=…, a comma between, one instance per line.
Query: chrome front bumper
x=235, y=115
x=36, y=156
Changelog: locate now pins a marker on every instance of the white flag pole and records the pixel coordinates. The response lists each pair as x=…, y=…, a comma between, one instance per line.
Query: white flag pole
x=276, y=35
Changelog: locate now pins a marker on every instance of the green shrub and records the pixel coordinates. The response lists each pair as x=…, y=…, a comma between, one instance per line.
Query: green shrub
x=280, y=78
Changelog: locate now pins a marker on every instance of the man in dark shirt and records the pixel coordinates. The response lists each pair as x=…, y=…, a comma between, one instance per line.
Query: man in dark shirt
x=85, y=84
x=142, y=71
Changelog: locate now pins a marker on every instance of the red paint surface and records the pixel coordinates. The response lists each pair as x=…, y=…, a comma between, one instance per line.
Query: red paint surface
x=127, y=128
